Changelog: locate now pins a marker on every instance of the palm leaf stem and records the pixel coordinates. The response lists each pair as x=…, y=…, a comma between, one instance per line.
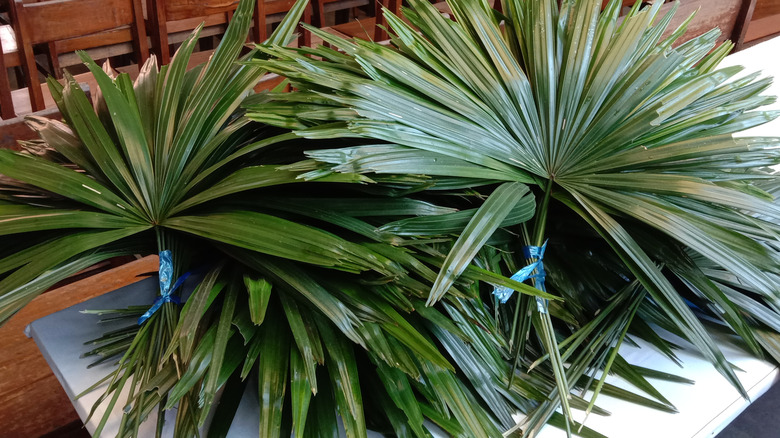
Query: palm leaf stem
x=543, y=324
x=515, y=336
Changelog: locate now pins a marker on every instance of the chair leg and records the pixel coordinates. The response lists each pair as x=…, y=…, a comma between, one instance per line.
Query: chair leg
x=19, y=74
x=380, y=34
x=259, y=33
x=33, y=84
x=140, y=44
x=158, y=30
x=744, y=16
x=6, y=105
x=318, y=19
x=6, y=101
x=54, y=60
x=304, y=36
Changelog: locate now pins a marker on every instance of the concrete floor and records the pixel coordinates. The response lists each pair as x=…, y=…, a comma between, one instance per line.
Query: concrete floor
x=760, y=420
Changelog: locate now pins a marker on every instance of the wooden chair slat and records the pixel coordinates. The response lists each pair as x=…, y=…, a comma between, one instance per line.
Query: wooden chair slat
x=187, y=24
x=766, y=8
x=165, y=17
x=15, y=129
x=113, y=36
x=765, y=23
x=730, y=16
x=62, y=19
x=370, y=28
x=321, y=7
x=183, y=9
x=271, y=11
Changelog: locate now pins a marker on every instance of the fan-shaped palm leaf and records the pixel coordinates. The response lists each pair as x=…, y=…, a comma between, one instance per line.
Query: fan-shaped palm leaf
x=610, y=121
x=171, y=163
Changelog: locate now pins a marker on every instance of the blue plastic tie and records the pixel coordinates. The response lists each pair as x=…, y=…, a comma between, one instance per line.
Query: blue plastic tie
x=166, y=291
x=535, y=270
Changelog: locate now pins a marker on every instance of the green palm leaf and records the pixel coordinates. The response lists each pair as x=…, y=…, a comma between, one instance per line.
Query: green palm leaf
x=627, y=134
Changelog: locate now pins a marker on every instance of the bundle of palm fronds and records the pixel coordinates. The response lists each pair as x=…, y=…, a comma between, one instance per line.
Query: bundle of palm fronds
x=169, y=164
x=650, y=217
x=293, y=272
x=360, y=265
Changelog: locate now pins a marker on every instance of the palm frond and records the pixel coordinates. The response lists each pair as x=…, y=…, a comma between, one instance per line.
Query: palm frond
x=627, y=133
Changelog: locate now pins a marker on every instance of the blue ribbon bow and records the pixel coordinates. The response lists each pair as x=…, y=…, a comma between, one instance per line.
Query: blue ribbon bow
x=530, y=252
x=166, y=291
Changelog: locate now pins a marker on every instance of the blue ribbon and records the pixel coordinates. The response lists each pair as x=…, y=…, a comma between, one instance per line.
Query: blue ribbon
x=535, y=270
x=166, y=291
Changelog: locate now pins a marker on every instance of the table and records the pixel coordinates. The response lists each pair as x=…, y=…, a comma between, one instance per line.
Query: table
x=714, y=405
x=705, y=407
x=764, y=57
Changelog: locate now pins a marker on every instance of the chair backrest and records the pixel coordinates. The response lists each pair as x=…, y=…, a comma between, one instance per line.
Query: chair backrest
x=371, y=28
x=765, y=23
x=6, y=101
x=731, y=16
x=318, y=19
x=271, y=11
x=183, y=9
x=172, y=16
x=82, y=24
x=625, y=3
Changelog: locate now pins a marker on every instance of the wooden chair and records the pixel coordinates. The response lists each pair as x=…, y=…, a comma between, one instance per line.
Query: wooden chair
x=75, y=25
x=28, y=382
x=9, y=40
x=731, y=16
x=765, y=23
x=6, y=101
x=9, y=58
x=167, y=17
x=371, y=28
x=272, y=11
x=341, y=8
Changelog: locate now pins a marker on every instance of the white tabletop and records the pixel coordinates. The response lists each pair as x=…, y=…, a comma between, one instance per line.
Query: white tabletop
x=705, y=407
x=763, y=57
